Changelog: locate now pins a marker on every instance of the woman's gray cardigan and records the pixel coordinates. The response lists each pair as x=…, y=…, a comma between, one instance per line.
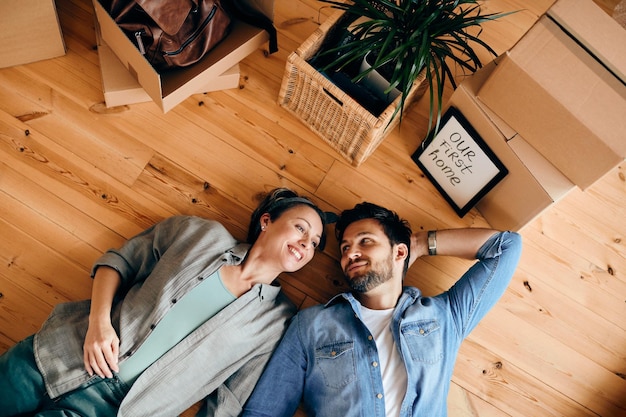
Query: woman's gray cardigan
x=221, y=360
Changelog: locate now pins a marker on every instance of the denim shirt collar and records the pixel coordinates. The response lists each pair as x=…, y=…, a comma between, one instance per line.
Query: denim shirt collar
x=407, y=298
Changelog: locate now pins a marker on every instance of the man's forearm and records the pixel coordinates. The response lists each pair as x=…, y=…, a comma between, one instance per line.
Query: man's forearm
x=462, y=243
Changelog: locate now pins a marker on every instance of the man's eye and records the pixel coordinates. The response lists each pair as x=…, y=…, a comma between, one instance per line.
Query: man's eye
x=300, y=228
x=344, y=248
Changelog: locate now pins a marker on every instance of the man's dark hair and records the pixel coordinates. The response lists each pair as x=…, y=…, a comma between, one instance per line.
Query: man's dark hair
x=396, y=229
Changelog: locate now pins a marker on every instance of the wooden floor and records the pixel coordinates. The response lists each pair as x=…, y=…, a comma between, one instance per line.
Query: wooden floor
x=77, y=178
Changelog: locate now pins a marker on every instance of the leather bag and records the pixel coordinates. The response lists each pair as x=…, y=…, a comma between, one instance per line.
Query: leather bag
x=172, y=33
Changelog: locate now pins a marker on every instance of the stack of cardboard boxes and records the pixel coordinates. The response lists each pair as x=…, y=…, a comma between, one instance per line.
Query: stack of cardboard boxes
x=129, y=78
x=553, y=109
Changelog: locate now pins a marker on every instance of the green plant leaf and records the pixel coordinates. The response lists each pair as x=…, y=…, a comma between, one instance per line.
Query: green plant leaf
x=415, y=37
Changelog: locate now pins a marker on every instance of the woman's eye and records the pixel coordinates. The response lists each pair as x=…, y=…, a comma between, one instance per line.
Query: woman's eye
x=300, y=228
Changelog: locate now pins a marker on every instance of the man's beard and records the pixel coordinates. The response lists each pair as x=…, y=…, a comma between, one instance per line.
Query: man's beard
x=378, y=274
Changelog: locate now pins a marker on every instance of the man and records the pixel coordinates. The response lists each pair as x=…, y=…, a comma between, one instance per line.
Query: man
x=384, y=349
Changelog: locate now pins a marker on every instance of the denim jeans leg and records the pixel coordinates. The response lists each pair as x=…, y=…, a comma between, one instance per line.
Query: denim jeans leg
x=101, y=398
x=21, y=385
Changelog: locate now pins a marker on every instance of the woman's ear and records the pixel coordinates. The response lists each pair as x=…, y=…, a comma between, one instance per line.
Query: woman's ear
x=265, y=220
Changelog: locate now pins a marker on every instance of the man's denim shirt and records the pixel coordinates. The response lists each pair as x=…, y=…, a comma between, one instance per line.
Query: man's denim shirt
x=329, y=360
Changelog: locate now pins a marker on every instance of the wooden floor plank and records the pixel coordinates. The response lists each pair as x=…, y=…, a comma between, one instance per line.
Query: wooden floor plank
x=188, y=194
x=494, y=379
x=564, y=270
x=33, y=209
x=560, y=367
x=47, y=275
x=70, y=126
x=52, y=162
x=465, y=404
x=566, y=320
x=16, y=322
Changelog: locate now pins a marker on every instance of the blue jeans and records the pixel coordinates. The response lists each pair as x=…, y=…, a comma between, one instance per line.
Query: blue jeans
x=22, y=390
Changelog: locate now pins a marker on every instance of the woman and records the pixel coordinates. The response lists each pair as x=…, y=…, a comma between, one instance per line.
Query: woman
x=181, y=312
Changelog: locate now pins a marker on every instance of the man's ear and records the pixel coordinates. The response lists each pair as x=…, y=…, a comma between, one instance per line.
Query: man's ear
x=402, y=251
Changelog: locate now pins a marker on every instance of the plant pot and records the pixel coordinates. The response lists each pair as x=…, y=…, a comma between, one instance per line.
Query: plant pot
x=337, y=118
x=377, y=83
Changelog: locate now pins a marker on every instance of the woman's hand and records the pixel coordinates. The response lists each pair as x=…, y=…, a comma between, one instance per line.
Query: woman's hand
x=102, y=344
x=101, y=349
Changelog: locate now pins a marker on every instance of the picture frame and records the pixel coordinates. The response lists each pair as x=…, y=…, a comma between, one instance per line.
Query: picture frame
x=458, y=162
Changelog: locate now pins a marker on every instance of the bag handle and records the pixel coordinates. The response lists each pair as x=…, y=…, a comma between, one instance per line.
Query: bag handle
x=254, y=18
x=169, y=15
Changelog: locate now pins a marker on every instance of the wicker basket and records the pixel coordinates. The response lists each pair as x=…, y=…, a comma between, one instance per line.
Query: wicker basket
x=331, y=113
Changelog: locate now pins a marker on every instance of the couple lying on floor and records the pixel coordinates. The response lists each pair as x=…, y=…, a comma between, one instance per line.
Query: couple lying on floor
x=184, y=312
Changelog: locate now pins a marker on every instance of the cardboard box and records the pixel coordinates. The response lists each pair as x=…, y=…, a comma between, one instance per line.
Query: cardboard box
x=562, y=88
x=532, y=185
x=29, y=32
x=121, y=88
x=169, y=89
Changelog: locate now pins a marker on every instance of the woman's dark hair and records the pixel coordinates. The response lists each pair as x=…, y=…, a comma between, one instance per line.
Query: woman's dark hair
x=275, y=203
x=396, y=229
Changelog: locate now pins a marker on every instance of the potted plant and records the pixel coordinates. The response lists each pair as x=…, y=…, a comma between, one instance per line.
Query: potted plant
x=409, y=39
x=421, y=40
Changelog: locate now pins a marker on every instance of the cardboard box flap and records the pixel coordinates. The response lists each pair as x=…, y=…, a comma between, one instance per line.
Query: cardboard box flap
x=218, y=60
x=115, y=77
x=581, y=20
x=553, y=181
x=576, y=79
x=519, y=197
x=547, y=125
x=472, y=85
x=120, y=88
x=533, y=183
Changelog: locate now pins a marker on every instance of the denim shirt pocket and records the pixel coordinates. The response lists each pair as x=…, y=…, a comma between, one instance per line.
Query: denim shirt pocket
x=337, y=364
x=424, y=339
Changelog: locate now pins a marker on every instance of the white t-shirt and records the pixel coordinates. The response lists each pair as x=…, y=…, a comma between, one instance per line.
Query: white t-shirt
x=391, y=366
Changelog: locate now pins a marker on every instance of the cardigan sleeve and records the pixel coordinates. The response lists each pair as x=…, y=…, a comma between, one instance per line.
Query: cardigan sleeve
x=139, y=256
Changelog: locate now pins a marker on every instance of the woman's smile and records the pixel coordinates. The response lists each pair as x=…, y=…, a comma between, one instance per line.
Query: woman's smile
x=295, y=252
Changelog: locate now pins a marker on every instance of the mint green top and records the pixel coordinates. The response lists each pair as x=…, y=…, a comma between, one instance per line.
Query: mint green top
x=202, y=303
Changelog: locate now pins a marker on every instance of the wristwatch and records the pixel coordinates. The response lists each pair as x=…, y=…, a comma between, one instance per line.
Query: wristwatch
x=432, y=242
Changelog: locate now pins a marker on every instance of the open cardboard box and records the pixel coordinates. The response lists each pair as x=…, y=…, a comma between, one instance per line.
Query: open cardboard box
x=532, y=185
x=121, y=88
x=562, y=88
x=169, y=89
x=29, y=32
